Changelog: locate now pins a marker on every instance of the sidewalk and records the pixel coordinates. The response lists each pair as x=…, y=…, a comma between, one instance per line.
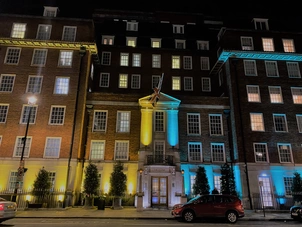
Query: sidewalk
x=132, y=213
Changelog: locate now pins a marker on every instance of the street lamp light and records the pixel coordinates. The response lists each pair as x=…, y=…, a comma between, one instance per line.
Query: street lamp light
x=21, y=170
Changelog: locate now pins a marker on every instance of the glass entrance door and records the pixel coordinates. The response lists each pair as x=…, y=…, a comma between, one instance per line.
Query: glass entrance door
x=159, y=191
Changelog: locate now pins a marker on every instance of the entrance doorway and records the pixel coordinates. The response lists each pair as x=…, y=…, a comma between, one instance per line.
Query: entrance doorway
x=159, y=192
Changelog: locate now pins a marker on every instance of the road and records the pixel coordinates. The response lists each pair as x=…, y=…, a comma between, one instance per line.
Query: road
x=77, y=222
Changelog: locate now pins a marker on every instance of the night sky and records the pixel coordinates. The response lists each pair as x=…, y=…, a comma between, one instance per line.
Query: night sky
x=84, y=9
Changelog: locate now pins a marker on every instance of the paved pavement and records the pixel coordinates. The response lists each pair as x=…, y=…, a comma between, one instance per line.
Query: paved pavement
x=132, y=213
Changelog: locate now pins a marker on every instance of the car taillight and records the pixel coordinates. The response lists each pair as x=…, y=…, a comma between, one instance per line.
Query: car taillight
x=1, y=206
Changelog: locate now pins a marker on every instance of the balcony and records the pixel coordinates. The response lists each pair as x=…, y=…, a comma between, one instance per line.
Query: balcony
x=160, y=160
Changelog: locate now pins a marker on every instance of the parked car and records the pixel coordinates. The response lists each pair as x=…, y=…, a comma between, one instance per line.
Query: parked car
x=296, y=212
x=8, y=209
x=210, y=206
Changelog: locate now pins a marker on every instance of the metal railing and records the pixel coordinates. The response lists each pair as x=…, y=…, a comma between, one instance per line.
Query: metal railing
x=160, y=160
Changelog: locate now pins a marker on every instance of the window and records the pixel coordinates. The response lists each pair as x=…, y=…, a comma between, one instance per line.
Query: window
x=257, y=123
x=253, y=93
x=106, y=58
x=175, y=62
x=136, y=60
x=298, y=117
x=288, y=45
x=52, y=179
x=217, y=150
x=123, y=121
x=39, y=57
x=34, y=84
x=188, y=83
x=180, y=44
x=100, y=121
x=135, y=81
x=250, y=67
x=204, y=63
x=107, y=40
x=297, y=95
x=175, y=83
x=131, y=41
x=12, y=56
x=28, y=110
x=268, y=44
x=18, y=30
x=7, y=83
x=132, y=26
x=123, y=81
x=69, y=33
x=215, y=121
x=187, y=62
x=155, y=80
x=121, y=150
x=124, y=59
x=104, y=79
x=97, y=150
x=13, y=181
x=275, y=94
x=65, y=58
x=260, y=151
x=155, y=43
x=271, y=69
x=261, y=24
x=288, y=183
x=50, y=11
x=156, y=60
x=193, y=123
x=280, y=122
x=206, y=84
x=159, y=121
x=285, y=153
x=247, y=43
x=52, y=147
x=194, y=152
x=192, y=182
x=202, y=45
x=57, y=114
x=44, y=32
x=178, y=29
x=217, y=183
x=19, y=146
x=3, y=113
x=61, y=85
x=293, y=69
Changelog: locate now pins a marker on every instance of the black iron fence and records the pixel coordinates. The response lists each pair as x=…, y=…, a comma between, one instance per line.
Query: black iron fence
x=160, y=160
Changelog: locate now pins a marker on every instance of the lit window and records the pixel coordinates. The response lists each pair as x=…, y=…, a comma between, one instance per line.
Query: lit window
x=124, y=59
x=104, y=80
x=52, y=148
x=107, y=40
x=13, y=181
x=123, y=121
x=156, y=60
x=155, y=43
x=159, y=123
x=293, y=69
x=206, y=84
x=217, y=150
x=187, y=62
x=193, y=124
x=106, y=58
x=121, y=150
x=280, y=122
x=18, y=30
x=65, y=58
x=3, y=114
x=257, y=123
x=215, y=121
x=288, y=45
x=178, y=29
x=268, y=44
x=175, y=62
x=43, y=32
x=175, y=83
x=12, y=56
x=132, y=26
x=26, y=111
x=34, y=84
x=51, y=179
x=297, y=95
x=39, y=57
x=57, y=115
x=135, y=81
x=136, y=60
x=123, y=81
x=285, y=153
x=250, y=67
x=100, y=121
x=202, y=45
x=253, y=93
x=275, y=94
x=19, y=146
x=62, y=85
x=247, y=43
x=97, y=150
x=260, y=151
x=69, y=33
x=188, y=83
x=7, y=83
x=131, y=41
x=271, y=69
x=194, y=152
x=204, y=63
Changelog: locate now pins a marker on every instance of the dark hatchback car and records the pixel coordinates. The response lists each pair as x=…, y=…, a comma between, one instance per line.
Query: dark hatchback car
x=210, y=206
x=296, y=212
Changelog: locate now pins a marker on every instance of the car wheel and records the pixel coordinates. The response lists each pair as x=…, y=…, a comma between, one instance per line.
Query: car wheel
x=188, y=216
x=231, y=217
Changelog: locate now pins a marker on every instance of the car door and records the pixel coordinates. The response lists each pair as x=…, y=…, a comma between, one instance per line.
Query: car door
x=204, y=207
x=219, y=206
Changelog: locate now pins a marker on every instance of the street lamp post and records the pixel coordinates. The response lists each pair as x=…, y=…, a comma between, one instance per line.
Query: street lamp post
x=21, y=170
